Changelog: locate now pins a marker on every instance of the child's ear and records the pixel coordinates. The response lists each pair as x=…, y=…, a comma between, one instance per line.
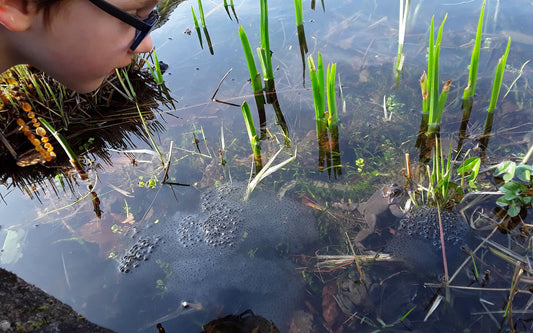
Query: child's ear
x=14, y=15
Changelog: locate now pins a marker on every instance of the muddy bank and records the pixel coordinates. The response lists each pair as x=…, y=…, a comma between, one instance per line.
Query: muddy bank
x=26, y=308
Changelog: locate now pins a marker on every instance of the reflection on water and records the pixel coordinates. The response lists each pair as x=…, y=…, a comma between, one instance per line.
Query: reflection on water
x=64, y=248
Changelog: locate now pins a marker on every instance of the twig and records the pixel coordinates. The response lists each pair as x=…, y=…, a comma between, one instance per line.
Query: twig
x=8, y=145
x=218, y=87
x=444, y=261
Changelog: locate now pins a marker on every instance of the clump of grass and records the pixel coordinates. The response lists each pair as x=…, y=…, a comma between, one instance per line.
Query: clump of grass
x=328, y=149
x=432, y=102
x=265, y=60
x=79, y=121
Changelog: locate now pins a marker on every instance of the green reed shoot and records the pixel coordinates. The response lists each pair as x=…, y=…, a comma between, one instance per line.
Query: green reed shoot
x=402, y=26
x=226, y=7
x=470, y=89
x=128, y=87
x=252, y=135
x=255, y=77
x=317, y=83
x=58, y=100
x=263, y=52
x=156, y=70
x=202, y=16
x=332, y=102
x=299, y=12
x=433, y=102
x=73, y=158
x=500, y=68
x=322, y=124
x=301, y=35
x=197, y=26
x=498, y=77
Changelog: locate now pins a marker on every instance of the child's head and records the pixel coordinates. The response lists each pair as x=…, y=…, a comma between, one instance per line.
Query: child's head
x=78, y=42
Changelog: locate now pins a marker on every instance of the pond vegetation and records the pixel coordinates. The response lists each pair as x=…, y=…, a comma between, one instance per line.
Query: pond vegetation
x=466, y=268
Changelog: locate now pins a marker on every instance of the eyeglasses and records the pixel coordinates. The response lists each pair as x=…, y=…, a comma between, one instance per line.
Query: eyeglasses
x=143, y=26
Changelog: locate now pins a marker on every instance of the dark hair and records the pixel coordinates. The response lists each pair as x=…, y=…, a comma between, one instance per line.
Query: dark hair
x=45, y=6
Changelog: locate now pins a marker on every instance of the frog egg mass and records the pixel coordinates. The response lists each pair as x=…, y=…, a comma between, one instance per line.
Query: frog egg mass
x=228, y=247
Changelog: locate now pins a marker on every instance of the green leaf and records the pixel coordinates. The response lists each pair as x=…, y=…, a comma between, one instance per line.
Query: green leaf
x=523, y=172
x=502, y=202
x=514, y=187
x=507, y=168
x=471, y=164
x=510, y=195
x=513, y=210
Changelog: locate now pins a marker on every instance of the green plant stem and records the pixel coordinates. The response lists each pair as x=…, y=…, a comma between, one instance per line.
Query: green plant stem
x=318, y=92
x=299, y=12
x=332, y=102
x=498, y=77
x=470, y=90
x=73, y=158
x=263, y=52
x=252, y=135
x=255, y=77
x=202, y=16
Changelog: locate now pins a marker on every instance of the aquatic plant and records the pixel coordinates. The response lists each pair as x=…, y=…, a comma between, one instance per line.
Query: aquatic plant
x=73, y=158
x=201, y=10
x=435, y=187
x=402, y=26
x=313, y=5
x=157, y=74
x=255, y=78
x=226, y=6
x=252, y=135
x=319, y=98
x=328, y=149
x=131, y=92
x=517, y=181
x=302, y=42
x=432, y=102
x=470, y=89
x=497, y=83
x=197, y=27
x=263, y=52
x=298, y=12
x=204, y=27
x=498, y=77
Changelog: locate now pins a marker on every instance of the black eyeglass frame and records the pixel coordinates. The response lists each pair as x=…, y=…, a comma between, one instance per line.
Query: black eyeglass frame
x=143, y=26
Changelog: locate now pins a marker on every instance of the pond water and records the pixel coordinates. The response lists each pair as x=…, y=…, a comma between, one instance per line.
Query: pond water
x=205, y=246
